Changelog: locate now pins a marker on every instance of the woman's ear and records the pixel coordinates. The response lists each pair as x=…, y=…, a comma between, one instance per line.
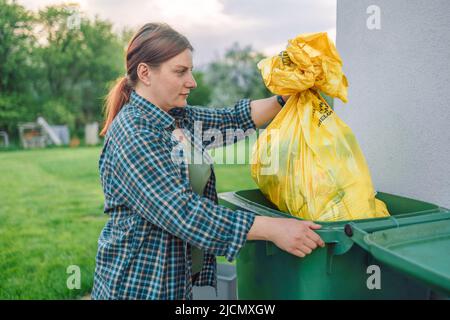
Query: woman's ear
x=144, y=73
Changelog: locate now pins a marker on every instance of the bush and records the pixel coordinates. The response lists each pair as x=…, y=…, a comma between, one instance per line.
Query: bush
x=58, y=113
x=13, y=110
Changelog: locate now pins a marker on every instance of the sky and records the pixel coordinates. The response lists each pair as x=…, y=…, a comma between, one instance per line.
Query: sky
x=213, y=25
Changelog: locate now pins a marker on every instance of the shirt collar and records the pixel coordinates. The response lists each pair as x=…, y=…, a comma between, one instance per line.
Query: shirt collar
x=160, y=117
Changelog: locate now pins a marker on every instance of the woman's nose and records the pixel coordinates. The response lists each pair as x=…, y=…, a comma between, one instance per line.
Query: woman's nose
x=191, y=84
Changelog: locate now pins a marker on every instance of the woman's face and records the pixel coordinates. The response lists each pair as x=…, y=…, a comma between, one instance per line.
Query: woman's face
x=171, y=83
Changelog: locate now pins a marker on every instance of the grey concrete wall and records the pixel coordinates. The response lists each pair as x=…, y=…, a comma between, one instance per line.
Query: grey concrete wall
x=399, y=93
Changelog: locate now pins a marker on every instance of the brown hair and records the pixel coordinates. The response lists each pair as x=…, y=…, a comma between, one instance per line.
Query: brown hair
x=153, y=44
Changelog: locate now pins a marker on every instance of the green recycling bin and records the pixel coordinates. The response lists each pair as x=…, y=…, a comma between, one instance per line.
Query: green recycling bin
x=404, y=256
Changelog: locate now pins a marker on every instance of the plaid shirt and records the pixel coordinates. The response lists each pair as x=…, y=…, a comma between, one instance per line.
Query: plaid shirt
x=144, y=250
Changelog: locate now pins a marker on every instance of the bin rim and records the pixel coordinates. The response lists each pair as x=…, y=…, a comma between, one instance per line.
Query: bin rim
x=258, y=208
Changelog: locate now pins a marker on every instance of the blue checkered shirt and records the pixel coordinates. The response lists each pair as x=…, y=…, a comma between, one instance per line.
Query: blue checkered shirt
x=144, y=249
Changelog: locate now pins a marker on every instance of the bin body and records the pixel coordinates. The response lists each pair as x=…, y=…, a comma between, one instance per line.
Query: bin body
x=341, y=270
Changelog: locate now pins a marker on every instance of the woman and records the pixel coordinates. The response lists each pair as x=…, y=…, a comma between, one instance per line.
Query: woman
x=164, y=214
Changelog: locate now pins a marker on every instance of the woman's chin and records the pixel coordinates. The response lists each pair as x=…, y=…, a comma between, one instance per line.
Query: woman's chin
x=181, y=102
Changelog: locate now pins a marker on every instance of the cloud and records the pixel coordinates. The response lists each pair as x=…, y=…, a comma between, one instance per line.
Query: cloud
x=213, y=25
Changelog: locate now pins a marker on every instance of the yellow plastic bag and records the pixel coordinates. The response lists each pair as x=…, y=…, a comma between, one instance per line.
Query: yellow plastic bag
x=308, y=162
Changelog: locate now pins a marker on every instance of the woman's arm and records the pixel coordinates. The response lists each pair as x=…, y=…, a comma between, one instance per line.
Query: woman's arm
x=246, y=114
x=146, y=179
x=264, y=110
x=221, y=124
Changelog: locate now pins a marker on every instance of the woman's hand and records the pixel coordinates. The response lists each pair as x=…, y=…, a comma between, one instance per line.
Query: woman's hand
x=296, y=237
x=291, y=235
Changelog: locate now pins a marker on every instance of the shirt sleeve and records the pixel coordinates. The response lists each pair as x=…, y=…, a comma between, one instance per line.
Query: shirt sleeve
x=150, y=183
x=233, y=118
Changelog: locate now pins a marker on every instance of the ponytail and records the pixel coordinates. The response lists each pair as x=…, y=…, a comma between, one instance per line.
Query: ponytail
x=116, y=98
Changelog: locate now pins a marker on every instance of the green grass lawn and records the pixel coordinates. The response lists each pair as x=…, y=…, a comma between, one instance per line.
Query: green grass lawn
x=51, y=213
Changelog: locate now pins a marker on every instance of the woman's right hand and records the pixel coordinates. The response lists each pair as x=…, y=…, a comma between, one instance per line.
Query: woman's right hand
x=291, y=235
x=295, y=236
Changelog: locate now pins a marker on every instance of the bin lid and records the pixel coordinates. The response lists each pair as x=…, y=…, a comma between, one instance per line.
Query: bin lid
x=420, y=250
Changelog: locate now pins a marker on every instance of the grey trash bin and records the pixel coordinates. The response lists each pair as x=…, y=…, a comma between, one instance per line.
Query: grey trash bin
x=226, y=285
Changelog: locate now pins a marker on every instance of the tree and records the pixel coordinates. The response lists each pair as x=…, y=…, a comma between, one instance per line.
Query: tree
x=56, y=63
x=200, y=96
x=16, y=41
x=236, y=76
x=16, y=64
x=78, y=61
